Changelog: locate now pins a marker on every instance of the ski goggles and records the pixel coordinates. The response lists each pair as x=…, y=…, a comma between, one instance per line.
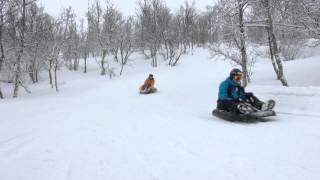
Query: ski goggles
x=238, y=76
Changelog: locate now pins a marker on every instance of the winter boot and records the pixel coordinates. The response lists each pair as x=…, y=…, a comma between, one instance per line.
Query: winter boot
x=268, y=105
x=245, y=109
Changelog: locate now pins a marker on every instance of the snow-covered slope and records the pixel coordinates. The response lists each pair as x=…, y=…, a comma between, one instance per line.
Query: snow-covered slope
x=96, y=128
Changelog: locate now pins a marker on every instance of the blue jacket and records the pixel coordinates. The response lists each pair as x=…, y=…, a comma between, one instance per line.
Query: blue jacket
x=230, y=90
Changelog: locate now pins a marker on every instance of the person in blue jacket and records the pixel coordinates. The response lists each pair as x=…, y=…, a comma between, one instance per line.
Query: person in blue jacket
x=231, y=94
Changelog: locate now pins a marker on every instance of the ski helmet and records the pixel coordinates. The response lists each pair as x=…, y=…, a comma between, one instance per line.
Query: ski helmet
x=234, y=72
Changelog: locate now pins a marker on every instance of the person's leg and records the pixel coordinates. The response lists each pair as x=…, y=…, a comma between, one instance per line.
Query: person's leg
x=221, y=105
x=143, y=88
x=228, y=105
x=232, y=106
x=254, y=101
x=269, y=105
x=148, y=89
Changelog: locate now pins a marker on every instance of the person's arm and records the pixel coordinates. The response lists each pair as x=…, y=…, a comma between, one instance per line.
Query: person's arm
x=152, y=82
x=242, y=93
x=146, y=83
x=223, y=92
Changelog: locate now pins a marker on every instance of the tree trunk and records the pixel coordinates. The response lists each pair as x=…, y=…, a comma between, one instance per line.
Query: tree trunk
x=274, y=44
x=243, y=49
x=1, y=95
x=85, y=61
x=1, y=49
x=176, y=59
x=32, y=69
x=115, y=54
x=37, y=75
x=123, y=61
x=1, y=35
x=274, y=65
x=167, y=49
x=2, y=53
x=17, y=73
x=75, y=63
x=279, y=62
x=103, y=69
x=20, y=52
x=31, y=73
x=34, y=65
x=56, y=75
x=154, y=57
x=50, y=74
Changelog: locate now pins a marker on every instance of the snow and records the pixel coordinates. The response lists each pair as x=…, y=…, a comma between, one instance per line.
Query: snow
x=96, y=128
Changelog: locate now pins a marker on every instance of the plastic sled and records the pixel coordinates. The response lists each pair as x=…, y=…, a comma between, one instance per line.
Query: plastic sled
x=231, y=116
x=149, y=91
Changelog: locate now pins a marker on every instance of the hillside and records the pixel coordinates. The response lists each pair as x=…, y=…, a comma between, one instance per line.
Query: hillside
x=96, y=128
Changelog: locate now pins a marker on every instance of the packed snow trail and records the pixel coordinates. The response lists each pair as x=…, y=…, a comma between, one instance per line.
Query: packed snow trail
x=109, y=131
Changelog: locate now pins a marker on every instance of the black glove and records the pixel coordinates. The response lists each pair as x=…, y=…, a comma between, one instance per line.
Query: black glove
x=241, y=89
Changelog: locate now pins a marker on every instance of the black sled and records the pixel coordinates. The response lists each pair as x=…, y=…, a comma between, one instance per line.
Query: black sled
x=148, y=91
x=251, y=117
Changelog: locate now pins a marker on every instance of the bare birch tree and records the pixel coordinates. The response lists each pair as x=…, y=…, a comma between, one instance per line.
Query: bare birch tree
x=126, y=42
x=274, y=50
x=20, y=35
x=3, y=5
x=153, y=21
x=232, y=16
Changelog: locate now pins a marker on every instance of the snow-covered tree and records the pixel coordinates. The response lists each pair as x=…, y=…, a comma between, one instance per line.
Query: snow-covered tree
x=153, y=20
x=126, y=42
x=234, y=47
x=265, y=18
x=104, y=25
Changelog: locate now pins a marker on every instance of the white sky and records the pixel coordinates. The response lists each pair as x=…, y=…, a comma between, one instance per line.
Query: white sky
x=127, y=7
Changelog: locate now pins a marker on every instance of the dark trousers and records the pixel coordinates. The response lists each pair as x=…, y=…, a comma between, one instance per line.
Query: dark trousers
x=232, y=105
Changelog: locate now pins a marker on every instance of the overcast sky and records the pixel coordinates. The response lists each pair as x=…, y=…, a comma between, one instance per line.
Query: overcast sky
x=127, y=7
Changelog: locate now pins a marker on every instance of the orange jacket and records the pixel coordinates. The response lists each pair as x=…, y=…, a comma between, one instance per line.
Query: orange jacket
x=149, y=83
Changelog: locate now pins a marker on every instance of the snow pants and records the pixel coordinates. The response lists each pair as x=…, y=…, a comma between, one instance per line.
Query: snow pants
x=232, y=105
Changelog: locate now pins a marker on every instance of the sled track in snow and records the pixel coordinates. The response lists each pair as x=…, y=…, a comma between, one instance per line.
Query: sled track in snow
x=300, y=114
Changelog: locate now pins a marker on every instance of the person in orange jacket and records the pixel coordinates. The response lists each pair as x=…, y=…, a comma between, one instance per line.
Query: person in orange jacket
x=148, y=85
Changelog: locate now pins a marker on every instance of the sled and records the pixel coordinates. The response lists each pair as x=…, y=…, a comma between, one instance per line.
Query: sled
x=234, y=117
x=149, y=91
